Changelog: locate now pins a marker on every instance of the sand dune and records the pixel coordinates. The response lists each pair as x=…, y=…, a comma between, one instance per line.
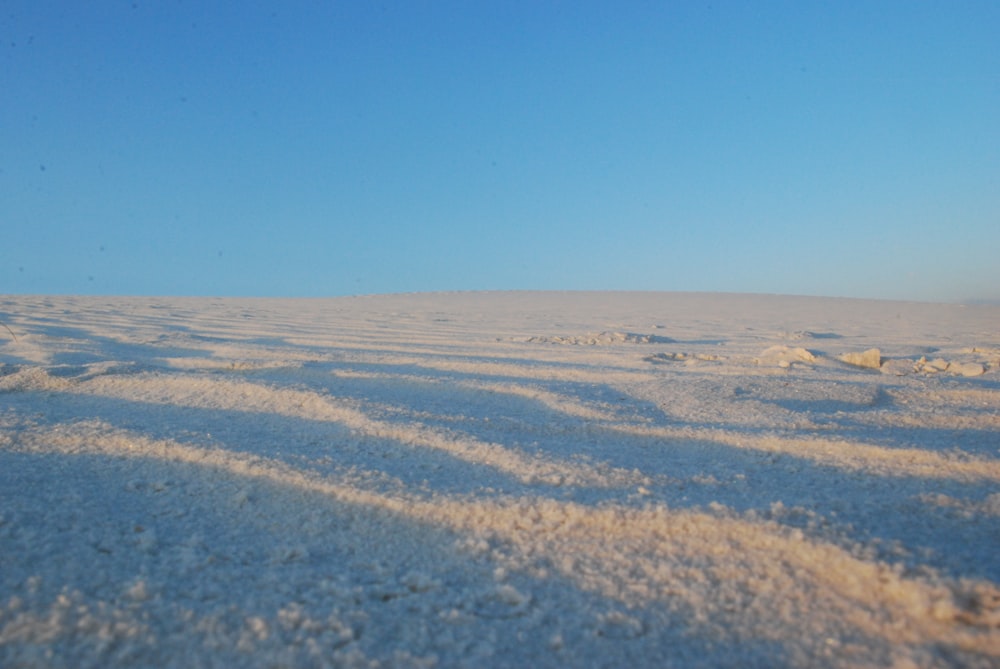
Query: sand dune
x=499, y=479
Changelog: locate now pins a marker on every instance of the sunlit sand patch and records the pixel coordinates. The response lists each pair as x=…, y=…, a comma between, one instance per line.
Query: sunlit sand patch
x=842, y=454
x=877, y=460
x=556, y=402
x=784, y=356
x=753, y=577
x=539, y=371
x=32, y=378
x=933, y=419
x=964, y=398
x=238, y=364
x=990, y=506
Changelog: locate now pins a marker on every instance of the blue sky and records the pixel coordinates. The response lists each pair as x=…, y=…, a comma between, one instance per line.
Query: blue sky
x=321, y=148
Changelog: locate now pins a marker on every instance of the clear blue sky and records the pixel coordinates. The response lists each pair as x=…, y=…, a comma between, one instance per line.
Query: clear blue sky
x=332, y=148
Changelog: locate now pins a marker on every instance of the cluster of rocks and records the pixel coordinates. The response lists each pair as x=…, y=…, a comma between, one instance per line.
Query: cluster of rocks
x=938, y=365
x=787, y=356
x=872, y=359
x=784, y=356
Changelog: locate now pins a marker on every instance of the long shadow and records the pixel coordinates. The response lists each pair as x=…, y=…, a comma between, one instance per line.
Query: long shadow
x=428, y=390
x=689, y=473
x=699, y=472
x=98, y=348
x=194, y=557
x=501, y=357
x=438, y=394
x=860, y=417
x=323, y=447
x=882, y=513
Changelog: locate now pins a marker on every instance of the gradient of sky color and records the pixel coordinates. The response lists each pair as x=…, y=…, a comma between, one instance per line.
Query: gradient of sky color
x=331, y=148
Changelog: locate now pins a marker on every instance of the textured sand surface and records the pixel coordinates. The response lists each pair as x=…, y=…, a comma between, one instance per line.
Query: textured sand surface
x=499, y=479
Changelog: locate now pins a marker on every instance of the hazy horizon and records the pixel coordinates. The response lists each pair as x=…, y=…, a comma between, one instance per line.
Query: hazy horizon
x=487, y=291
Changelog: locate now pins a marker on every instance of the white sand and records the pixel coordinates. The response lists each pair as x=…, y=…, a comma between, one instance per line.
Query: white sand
x=498, y=479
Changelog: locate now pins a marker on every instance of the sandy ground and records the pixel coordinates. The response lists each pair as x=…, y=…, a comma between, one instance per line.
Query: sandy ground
x=499, y=479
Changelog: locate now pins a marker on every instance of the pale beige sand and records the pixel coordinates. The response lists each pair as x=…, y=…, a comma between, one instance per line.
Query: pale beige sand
x=499, y=479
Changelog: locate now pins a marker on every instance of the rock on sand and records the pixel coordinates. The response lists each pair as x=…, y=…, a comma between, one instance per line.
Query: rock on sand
x=872, y=358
